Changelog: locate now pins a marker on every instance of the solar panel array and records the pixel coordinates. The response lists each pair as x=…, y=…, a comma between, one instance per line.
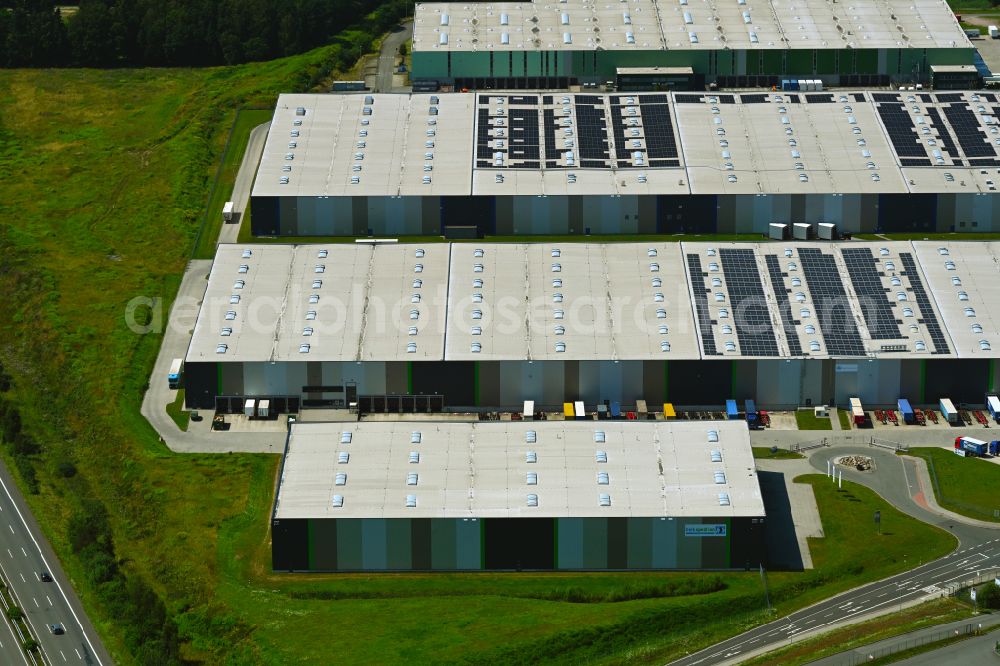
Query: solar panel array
x=820, y=99
x=912, y=273
x=784, y=304
x=748, y=303
x=573, y=131
x=697, y=280
x=902, y=131
x=830, y=299
x=967, y=130
x=875, y=307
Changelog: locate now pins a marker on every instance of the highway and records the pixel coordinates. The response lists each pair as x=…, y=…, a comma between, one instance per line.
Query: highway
x=24, y=554
x=896, y=481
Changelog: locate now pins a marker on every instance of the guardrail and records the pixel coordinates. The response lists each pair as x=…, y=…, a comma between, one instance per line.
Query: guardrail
x=886, y=444
x=816, y=444
x=24, y=635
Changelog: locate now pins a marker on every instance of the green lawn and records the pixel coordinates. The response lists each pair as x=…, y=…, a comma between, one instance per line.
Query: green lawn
x=964, y=485
x=177, y=413
x=845, y=419
x=211, y=223
x=806, y=420
x=953, y=236
x=764, y=453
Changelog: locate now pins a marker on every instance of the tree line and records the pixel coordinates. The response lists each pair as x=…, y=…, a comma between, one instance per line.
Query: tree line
x=172, y=33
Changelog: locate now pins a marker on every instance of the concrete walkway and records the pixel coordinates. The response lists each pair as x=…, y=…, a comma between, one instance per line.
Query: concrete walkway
x=385, y=78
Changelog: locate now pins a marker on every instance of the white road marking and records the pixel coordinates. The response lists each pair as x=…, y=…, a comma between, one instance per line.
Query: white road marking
x=38, y=577
x=10, y=528
x=24, y=551
x=96, y=658
x=49, y=600
x=22, y=577
x=78, y=655
x=36, y=602
x=63, y=655
x=10, y=553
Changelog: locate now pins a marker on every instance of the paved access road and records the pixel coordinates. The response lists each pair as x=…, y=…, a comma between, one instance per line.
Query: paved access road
x=244, y=183
x=387, y=56
x=897, y=481
x=976, y=651
x=24, y=554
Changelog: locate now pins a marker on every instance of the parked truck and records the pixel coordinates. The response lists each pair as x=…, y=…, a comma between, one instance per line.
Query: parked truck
x=732, y=411
x=174, y=374
x=227, y=211
x=753, y=418
x=857, y=412
x=994, y=32
x=948, y=411
x=993, y=405
x=969, y=446
x=995, y=447
x=906, y=411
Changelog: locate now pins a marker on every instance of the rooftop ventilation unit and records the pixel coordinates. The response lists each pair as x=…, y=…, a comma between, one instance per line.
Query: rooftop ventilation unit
x=415, y=437
x=531, y=478
x=411, y=501
x=720, y=477
x=560, y=347
x=414, y=457
x=343, y=458
x=221, y=348
x=603, y=479
x=411, y=347
x=476, y=347
x=412, y=478
x=716, y=455
x=560, y=330
x=338, y=501
x=605, y=499
x=530, y=437
x=723, y=499
x=601, y=456
x=341, y=479
x=531, y=457
x=532, y=499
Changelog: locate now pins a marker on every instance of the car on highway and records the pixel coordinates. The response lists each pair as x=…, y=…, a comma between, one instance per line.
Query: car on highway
x=57, y=629
x=45, y=577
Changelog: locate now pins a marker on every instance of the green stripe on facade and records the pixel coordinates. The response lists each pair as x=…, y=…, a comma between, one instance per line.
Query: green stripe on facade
x=409, y=377
x=475, y=379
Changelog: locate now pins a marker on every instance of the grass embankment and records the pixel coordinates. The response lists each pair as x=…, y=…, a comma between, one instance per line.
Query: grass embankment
x=964, y=485
x=176, y=411
x=108, y=204
x=246, y=120
x=765, y=453
x=952, y=236
x=807, y=420
x=939, y=611
x=845, y=419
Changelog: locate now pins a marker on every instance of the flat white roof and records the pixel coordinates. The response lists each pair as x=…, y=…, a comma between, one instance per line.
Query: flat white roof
x=651, y=25
x=565, y=144
x=480, y=470
x=337, y=302
x=600, y=301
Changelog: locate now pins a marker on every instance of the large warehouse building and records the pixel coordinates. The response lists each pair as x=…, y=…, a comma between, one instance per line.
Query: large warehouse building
x=490, y=325
x=517, y=164
x=549, y=43
x=377, y=496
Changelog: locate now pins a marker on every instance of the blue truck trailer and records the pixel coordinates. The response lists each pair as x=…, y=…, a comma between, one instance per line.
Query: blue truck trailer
x=993, y=405
x=753, y=418
x=906, y=411
x=970, y=446
x=732, y=411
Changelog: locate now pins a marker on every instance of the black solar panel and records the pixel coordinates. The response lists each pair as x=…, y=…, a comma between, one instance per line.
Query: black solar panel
x=914, y=162
x=832, y=306
x=748, y=303
x=924, y=97
x=549, y=129
x=950, y=97
x=875, y=307
x=794, y=99
x=697, y=279
x=658, y=129
x=727, y=99
x=523, y=136
x=970, y=135
x=920, y=296
x=688, y=99
x=593, y=132
x=819, y=99
x=902, y=131
x=885, y=97
x=753, y=99
x=947, y=143
x=784, y=305
x=988, y=97
x=859, y=97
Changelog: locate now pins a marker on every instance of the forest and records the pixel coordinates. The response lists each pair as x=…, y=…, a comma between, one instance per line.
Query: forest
x=170, y=33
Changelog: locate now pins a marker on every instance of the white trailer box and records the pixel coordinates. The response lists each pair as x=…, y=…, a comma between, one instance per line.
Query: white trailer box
x=818, y=84
x=777, y=231
x=826, y=230
x=994, y=32
x=948, y=410
x=528, y=413
x=801, y=231
x=227, y=211
x=579, y=410
x=248, y=407
x=264, y=409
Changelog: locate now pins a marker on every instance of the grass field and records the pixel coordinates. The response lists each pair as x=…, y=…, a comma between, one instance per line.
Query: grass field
x=806, y=420
x=107, y=174
x=246, y=120
x=964, y=485
x=845, y=419
x=177, y=413
x=764, y=453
